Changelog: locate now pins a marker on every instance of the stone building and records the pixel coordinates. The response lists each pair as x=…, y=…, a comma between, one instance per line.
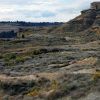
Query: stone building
x=95, y=5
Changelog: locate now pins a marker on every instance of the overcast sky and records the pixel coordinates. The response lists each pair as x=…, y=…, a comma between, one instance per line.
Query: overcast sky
x=41, y=10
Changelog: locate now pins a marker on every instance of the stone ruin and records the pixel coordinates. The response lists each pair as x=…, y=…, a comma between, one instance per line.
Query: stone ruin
x=95, y=5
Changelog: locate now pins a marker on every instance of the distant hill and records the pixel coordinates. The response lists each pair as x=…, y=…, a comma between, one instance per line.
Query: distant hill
x=9, y=26
x=22, y=23
x=6, y=28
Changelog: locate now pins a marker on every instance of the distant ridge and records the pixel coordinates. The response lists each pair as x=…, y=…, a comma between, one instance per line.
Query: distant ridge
x=23, y=23
x=14, y=26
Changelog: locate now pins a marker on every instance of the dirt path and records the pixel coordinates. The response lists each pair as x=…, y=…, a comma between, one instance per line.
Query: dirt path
x=36, y=77
x=5, y=78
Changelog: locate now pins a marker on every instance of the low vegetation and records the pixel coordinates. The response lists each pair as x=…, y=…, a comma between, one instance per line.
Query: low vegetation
x=12, y=59
x=50, y=62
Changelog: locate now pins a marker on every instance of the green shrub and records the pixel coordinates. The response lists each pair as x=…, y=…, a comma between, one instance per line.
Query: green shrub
x=12, y=59
x=14, y=88
x=36, y=52
x=68, y=88
x=39, y=51
x=1, y=56
x=23, y=36
x=10, y=63
x=10, y=56
x=20, y=59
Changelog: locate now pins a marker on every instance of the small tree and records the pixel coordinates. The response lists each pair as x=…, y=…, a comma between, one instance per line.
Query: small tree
x=23, y=36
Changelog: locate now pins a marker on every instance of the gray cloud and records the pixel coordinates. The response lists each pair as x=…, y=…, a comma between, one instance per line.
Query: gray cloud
x=41, y=10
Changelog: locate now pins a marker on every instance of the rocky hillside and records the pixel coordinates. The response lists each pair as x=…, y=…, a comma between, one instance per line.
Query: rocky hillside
x=40, y=65
x=89, y=18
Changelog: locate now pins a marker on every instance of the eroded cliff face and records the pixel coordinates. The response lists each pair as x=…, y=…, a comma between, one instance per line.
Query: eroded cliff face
x=82, y=22
x=89, y=18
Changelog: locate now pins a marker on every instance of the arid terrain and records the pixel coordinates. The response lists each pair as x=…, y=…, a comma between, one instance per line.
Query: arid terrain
x=56, y=62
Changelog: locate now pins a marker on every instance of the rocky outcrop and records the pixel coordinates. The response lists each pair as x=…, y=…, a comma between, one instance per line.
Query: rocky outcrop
x=88, y=18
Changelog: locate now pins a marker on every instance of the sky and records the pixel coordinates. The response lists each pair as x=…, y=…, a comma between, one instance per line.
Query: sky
x=41, y=10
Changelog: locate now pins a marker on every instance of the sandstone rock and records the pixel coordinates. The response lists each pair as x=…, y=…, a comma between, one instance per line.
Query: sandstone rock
x=88, y=18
